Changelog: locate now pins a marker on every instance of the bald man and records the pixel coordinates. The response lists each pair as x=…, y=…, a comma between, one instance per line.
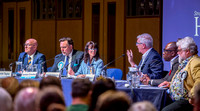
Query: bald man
x=169, y=54
x=31, y=56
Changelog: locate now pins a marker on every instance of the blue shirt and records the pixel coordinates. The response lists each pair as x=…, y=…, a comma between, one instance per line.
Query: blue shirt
x=97, y=65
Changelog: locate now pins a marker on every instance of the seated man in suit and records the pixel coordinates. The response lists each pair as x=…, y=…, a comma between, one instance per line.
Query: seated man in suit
x=31, y=56
x=70, y=58
x=186, y=78
x=151, y=63
x=169, y=54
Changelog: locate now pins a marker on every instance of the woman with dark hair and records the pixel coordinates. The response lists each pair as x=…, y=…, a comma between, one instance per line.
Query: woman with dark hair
x=91, y=64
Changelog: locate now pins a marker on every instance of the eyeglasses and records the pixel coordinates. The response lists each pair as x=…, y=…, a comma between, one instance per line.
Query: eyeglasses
x=179, y=50
x=137, y=43
x=28, y=45
x=93, y=49
x=165, y=50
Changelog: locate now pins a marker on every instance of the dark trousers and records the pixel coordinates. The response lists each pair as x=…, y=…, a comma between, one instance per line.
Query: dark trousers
x=179, y=105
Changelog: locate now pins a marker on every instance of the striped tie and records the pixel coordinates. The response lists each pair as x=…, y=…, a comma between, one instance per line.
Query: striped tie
x=29, y=61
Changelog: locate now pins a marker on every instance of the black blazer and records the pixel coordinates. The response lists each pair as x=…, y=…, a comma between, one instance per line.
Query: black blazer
x=168, y=78
x=77, y=57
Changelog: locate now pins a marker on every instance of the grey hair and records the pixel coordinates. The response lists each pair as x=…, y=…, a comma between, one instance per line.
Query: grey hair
x=6, y=100
x=188, y=43
x=146, y=39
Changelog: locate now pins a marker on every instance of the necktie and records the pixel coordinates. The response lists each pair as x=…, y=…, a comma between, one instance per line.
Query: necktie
x=170, y=72
x=29, y=61
x=65, y=68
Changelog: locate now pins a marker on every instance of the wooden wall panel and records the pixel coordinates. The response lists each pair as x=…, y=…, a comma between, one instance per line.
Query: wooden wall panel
x=26, y=5
x=1, y=44
x=6, y=7
x=44, y=33
x=73, y=29
x=137, y=26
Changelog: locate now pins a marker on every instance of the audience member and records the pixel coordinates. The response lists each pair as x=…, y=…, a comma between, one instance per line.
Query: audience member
x=25, y=99
x=81, y=94
x=56, y=107
x=28, y=83
x=47, y=96
x=113, y=101
x=151, y=63
x=186, y=77
x=31, y=56
x=70, y=59
x=91, y=64
x=142, y=106
x=99, y=87
x=11, y=85
x=49, y=81
x=5, y=100
x=169, y=54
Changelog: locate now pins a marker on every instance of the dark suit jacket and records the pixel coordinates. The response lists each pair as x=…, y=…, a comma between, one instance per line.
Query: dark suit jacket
x=153, y=65
x=38, y=59
x=77, y=57
x=168, y=77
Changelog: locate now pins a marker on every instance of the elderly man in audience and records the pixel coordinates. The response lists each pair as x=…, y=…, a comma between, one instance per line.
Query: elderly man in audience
x=70, y=59
x=169, y=54
x=5, y=100
x=25, y=99
x=113, y=101
x=81, y=94
x=31, y=56
x=151, y=63
x=48, y=96
x=186, y=77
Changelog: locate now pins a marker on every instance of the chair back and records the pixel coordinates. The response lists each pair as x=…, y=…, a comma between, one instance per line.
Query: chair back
x=48, y=69
x=114, y=72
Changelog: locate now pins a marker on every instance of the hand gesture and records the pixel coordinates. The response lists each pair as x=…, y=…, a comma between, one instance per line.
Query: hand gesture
x=129, y=54
x=71, y=72
x=145, y=79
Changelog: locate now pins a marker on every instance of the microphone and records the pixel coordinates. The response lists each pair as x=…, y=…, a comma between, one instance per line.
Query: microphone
x=49, y=60
x=105, y=66
x=11, y=65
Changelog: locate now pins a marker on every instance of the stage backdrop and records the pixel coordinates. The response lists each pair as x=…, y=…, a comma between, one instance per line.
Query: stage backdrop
x=181, y=18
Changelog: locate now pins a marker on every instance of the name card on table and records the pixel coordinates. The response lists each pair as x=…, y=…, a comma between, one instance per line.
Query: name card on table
x=56, y=74
x=90, y=76
x=4, y=74
x=28, y=75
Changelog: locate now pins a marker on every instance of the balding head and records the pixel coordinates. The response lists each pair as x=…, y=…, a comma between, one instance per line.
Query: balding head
x=170, y=51
x=25, y=99
x=30, y=46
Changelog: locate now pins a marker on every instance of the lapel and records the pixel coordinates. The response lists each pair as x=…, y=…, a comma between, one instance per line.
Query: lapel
x=25, y=59
x=145, y=60
x=35, y=57
x=73, y=58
